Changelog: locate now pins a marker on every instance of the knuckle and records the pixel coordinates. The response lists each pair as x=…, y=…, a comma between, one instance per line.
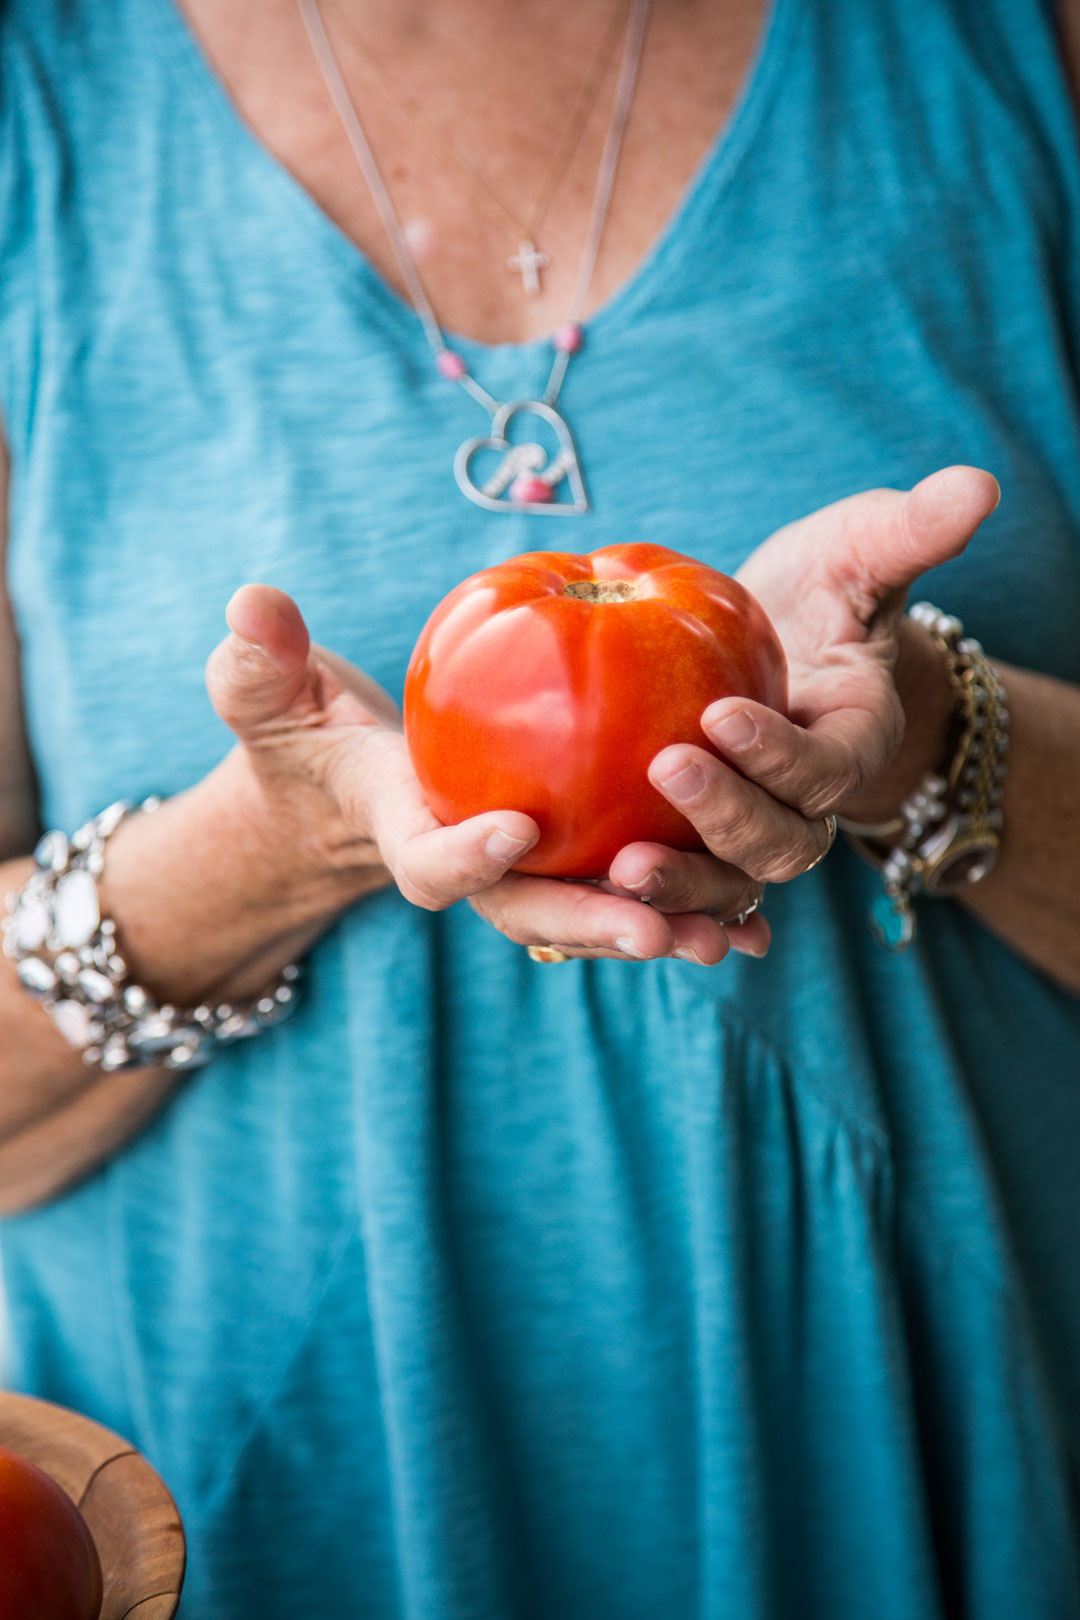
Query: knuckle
x=731, y=825
x=831, y=790
x=726, y=904
x=714, y=893
x=784, y=865
x=352, y=806
x=825, y=798
x=479, y=904
x=510, y=924
x=580, y=906
x=689, y=897
x=420, y=892
x=505, y=919
x=680, y=892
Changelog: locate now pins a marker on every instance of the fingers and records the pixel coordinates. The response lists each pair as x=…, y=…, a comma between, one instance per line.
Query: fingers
x=371, y=701
x=878, y=543
x=435, y=869
x=814, y=769
x=935, y=521
x=434, y=866
x=260, y=670
x=751, y=938
x=585, y=920
x=861, y=554
x=677, y=880
x=740, y=822
x=264, y=616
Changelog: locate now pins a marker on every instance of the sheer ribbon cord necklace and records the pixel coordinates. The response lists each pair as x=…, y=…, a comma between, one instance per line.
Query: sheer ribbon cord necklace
x=529, y=260
x=525, y=478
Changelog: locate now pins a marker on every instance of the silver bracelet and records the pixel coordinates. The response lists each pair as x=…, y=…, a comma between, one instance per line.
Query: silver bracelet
x=66, y=956
x=947, y=833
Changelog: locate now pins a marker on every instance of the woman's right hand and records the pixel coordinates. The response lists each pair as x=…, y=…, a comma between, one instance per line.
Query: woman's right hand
x=330, y=781
x=327, y=770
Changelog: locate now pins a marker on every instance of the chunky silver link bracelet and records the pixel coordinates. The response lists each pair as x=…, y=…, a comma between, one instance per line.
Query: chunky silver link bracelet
x=67, y=957
x=947, y=833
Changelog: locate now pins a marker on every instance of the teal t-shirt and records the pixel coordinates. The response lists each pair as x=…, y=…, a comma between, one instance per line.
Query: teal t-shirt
x=485, y=1290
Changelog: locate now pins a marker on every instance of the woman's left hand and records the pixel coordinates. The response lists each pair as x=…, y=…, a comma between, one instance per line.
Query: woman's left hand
x=834, y=585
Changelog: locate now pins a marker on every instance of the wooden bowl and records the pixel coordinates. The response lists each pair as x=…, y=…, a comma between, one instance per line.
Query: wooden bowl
x=132, y=1517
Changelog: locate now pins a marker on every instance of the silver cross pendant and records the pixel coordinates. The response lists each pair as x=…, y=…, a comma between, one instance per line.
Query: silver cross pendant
x=529, y=260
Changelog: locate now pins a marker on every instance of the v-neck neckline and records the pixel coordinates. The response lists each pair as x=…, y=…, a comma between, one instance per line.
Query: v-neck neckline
x=721, y=161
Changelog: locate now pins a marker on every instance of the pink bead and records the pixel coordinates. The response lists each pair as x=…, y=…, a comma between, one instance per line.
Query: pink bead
x=569, y=338
x=526, y=490
x=451, y=365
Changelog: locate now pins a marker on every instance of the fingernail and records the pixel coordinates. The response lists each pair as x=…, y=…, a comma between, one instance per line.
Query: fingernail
x=750, y=950
x=501, y=847
x=628, y=947
x=685, y=784
x=652, y=881
x=685, y=954
x=248, y=645
x=735, y=731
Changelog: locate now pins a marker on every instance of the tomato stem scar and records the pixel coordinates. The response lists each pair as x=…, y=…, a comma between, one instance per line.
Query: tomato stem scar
x=601, y=590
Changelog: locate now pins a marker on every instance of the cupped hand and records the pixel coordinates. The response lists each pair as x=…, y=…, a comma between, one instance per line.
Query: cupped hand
x=333, y=795
x=834, y=585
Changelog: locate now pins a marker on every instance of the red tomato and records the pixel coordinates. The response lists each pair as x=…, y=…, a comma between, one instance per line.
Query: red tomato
x=49, y=1567
x=548, y=683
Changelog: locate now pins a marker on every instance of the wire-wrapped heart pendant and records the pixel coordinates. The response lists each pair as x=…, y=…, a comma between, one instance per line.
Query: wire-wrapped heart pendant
x=526, y=479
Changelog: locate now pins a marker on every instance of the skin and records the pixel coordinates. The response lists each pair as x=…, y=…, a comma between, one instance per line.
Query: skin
x=316, y=806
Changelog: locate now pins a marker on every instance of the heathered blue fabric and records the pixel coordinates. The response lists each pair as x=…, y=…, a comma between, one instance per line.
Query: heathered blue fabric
x=485, y=1290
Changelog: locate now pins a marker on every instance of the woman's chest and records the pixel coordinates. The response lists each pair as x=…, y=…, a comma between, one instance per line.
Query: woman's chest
x=488, y=128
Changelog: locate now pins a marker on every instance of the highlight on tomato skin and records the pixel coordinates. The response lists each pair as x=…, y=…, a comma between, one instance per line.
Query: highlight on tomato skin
x=49, y=1565
x=548, y=683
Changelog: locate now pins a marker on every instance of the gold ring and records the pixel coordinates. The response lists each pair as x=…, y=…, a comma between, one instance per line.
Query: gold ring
x=547, y=953
x=830, y=828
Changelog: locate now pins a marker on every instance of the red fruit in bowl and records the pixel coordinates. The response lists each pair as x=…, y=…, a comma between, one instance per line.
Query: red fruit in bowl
x=49, y=1566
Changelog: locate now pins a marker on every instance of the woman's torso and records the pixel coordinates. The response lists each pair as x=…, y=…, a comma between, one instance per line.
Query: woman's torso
x=517, y=1290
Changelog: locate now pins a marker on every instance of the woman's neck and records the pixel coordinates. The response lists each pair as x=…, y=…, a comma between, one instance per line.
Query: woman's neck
x=499, y=83
x=419, y=20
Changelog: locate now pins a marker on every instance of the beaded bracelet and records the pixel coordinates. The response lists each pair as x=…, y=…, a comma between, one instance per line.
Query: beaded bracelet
x=66, y=957
x=947, y=833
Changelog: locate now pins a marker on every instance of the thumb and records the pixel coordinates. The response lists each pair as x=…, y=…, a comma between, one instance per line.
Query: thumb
x=260, y=670
x=893, y=536
x=934, y=523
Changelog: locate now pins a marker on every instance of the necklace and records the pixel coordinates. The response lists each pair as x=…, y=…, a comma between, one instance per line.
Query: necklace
x=525, y=479
x=529, y=260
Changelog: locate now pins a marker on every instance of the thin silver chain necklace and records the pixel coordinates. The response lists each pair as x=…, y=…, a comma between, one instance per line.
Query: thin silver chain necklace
x=525, y=478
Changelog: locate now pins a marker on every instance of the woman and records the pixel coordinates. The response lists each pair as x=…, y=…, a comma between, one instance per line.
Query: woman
x=624, y=1285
